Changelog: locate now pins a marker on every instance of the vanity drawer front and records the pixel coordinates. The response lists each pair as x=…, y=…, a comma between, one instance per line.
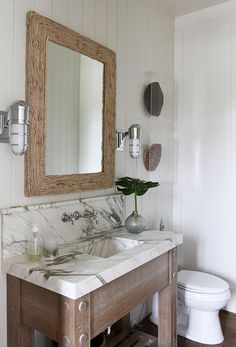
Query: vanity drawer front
x=114, y=300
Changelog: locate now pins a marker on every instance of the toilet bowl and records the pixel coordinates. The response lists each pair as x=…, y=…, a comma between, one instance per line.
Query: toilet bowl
x=200, y=297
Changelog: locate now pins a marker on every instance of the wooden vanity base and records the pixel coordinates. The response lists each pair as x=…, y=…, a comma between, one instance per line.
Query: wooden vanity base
x=73, y=323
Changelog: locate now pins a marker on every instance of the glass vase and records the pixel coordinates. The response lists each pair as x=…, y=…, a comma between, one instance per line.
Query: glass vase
x=135, y=223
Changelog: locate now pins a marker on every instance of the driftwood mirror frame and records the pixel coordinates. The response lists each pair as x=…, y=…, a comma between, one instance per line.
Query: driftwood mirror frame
x=39, y=30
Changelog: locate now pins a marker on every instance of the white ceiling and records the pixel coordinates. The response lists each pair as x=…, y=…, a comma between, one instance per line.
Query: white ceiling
x=179, y=7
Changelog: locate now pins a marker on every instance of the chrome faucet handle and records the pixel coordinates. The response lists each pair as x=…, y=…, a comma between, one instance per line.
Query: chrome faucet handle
x=76, y=215
x=89, y=213
x=65, y=217
x=86, y=213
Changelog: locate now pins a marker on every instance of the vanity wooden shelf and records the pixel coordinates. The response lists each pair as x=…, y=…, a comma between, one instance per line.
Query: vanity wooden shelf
x=73, y=323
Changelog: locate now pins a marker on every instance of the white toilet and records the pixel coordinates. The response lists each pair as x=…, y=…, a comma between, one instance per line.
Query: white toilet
x=200, y=297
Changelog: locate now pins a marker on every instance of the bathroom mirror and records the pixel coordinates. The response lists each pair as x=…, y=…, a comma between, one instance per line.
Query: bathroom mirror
x=74, y=112
x=70, y=86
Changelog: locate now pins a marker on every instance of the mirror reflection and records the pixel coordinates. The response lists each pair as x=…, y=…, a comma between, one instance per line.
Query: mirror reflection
x=74, y=112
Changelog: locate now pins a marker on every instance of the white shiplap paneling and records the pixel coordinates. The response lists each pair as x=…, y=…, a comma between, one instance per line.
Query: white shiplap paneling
x=142, y=36
x=205, y=190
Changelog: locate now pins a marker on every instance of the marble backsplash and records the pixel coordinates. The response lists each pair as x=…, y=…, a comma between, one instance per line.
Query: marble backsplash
x=16, y=222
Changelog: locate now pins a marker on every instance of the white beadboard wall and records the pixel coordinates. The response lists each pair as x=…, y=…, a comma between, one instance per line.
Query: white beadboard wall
x=205, y=140
x=142, y=35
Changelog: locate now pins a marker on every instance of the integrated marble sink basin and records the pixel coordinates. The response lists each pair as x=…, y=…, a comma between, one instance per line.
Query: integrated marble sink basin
x=85, y=264
x=106, y=247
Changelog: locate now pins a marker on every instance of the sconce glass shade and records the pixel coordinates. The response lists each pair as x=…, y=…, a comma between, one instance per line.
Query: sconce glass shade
x=18, y=121
x=134, y=140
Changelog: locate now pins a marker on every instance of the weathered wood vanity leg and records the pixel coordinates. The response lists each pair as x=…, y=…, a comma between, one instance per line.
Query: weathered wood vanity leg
x=75, y=322
x=18, y=335
x=167, y=336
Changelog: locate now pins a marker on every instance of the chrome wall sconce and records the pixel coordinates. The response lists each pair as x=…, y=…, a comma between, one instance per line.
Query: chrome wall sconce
x=14, y=127
x=134, y=134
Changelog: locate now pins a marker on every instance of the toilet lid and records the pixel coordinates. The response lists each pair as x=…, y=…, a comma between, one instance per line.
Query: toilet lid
x=201, y=282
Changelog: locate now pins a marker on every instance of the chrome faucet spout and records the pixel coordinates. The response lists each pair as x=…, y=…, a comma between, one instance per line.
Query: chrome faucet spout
x=76, y=215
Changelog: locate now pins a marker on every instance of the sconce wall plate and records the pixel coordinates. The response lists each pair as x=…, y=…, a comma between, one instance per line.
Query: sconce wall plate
x=120, y=139
x=14, y=127
x=3, y=127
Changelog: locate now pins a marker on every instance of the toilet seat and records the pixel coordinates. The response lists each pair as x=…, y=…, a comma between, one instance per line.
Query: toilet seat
x=185, y=294
x=200, y=282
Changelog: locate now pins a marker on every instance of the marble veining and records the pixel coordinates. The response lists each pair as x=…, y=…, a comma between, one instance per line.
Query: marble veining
x=83, y=269
x=17, y=221
x=92, y=251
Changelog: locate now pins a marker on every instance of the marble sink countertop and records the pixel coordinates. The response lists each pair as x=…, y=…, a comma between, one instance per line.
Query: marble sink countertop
x=75, y=273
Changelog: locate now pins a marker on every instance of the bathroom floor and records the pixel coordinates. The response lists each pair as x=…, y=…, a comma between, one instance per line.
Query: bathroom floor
x=228, y=326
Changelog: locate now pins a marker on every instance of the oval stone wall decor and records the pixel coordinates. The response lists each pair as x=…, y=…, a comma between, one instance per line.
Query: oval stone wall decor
x=153, y=99
x=152, y=156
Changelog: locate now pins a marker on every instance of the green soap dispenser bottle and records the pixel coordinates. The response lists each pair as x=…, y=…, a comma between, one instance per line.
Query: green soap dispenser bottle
x=35, y=245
